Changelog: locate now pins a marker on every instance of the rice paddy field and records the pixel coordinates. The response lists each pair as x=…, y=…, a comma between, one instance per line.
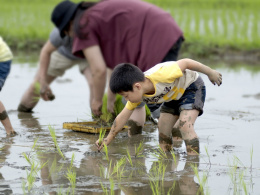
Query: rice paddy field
x=207, y=24
x=46, y=158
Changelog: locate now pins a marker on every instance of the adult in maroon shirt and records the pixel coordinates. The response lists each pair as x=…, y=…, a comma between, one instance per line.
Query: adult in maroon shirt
x=111, y=32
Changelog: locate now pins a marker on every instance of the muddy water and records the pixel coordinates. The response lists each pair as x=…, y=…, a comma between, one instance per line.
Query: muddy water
x=228, y=132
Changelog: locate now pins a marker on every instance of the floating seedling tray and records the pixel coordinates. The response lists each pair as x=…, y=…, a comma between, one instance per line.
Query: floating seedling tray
x=87, y=127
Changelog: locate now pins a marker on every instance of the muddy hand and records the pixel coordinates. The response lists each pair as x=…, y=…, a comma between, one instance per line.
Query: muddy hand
x=215, y=77
x=99, y=145
x=11, y=133
x=47, y=94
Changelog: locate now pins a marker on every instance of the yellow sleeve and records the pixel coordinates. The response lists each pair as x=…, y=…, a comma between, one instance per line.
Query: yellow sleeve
x=131, y=105
x=167, y=73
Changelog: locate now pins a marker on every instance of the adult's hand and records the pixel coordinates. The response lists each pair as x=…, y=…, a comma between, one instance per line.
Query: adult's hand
x=96, y=107
x=45, y=55
x=45, y=91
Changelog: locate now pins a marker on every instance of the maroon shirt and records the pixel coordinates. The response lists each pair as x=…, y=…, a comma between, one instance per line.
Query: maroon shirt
x=130, y=31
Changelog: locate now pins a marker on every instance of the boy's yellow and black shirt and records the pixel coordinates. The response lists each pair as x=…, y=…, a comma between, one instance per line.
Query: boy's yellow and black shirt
x=169, y=83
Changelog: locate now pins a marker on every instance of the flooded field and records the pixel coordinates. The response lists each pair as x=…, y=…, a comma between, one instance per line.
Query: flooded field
x=228, y=130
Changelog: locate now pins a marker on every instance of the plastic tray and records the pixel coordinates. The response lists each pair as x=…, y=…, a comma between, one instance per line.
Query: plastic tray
x=88, y=127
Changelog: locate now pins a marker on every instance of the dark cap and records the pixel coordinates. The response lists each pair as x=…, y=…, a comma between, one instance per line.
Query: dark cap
x=62, y=14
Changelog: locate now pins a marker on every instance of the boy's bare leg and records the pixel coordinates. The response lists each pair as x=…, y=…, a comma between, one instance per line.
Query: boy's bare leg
x=30, y=98
x=136, y=121
x=6, y=121
x=186, y=125
x=165, y=124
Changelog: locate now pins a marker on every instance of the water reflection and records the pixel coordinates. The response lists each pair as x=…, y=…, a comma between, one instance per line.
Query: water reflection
x=229, y=111
x=4, y=152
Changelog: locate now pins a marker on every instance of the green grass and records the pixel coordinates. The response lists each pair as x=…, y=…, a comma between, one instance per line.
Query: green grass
x=207, y=24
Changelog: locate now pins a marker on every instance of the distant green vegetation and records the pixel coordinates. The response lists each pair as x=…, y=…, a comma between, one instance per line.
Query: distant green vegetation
x=207, y=24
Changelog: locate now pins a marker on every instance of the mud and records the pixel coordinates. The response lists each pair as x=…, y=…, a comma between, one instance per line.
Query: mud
x=192, y=145
x=228, y=134
x=134, y=128
x=176, y=133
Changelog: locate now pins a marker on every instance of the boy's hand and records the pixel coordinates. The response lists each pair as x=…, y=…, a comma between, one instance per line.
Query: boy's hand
x=100, y=146
x=215, y=77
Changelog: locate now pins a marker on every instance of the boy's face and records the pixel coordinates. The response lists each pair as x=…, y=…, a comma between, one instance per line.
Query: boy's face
x=134, y=96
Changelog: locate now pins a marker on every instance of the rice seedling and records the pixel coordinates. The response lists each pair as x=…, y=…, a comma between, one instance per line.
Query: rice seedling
x=160, y=154
x=102, y=134
x=60, y=191
x=207, y=152
x=139, y=150
x=251, y=158
x=112, y=186
x=104, y=188
x=129, y=158
x=156, y=179
x=71, y=174
x=106, y=172
x=202, y=180
x=54, y=168
x=31, y=176
x=35, y=147
x=106, y=152
x=37, y=90
x=24, y=186
x=53, y=135
x=119, y=168
x=235, y=176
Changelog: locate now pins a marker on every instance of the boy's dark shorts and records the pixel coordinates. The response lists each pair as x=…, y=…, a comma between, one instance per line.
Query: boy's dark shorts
x=193, y=98
x=4, y=71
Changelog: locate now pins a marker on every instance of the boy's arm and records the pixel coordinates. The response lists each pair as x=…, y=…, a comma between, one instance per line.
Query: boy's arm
x=117, y=126
x=214, y=76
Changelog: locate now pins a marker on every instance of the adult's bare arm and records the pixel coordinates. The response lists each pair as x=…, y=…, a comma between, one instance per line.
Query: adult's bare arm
x=97, y=64
x=214, y=76
x=45, y=56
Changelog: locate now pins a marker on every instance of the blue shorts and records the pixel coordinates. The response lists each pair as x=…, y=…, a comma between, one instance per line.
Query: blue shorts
x=193, y=98
x=4, y=71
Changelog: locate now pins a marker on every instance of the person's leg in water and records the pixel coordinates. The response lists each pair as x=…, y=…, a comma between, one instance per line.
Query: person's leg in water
x=31, y=98
x=136, y=121
x=4, y=72
x=6, y=121
x=188, y=108
x=165, y=124
x=57, y=67
x=186, y=126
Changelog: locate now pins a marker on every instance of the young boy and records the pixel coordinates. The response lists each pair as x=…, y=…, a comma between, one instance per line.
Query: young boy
x=175, y=84
x=5, y=63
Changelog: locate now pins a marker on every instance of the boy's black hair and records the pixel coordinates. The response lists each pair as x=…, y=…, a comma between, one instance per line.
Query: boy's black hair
x=124, y=76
